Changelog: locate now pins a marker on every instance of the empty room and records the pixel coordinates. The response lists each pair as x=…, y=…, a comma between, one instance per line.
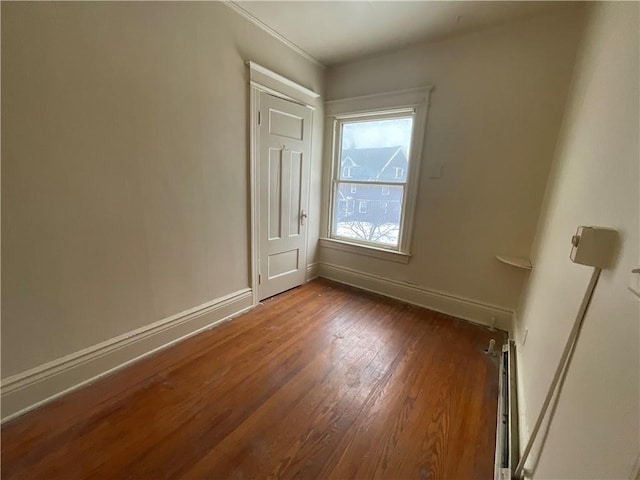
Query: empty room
x=314, y=239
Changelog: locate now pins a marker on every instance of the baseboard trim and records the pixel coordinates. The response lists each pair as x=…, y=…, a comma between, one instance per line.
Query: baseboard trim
x=30, y=389
x=454, y=305
x=313, y=271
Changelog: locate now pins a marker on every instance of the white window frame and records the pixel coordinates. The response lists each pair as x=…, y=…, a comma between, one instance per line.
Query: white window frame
x=413, y=102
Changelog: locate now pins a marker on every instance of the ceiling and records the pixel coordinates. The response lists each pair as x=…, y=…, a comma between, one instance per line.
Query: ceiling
x=341, y=31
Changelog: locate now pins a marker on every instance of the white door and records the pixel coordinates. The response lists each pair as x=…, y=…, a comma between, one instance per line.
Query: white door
x=284, y=145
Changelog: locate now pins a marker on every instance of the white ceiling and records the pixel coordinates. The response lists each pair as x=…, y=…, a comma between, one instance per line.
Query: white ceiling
x=335, y=32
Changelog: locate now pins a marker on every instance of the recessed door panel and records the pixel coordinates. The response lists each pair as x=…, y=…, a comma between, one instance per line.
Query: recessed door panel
x=285, y=124
x=275, y=193
x=295, y=193
x=282, y=263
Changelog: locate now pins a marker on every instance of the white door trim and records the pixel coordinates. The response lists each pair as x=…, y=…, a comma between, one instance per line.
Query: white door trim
x=280, y=86
x=265, y=80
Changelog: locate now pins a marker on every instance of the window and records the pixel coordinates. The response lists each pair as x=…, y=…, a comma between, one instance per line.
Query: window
x=375, y=162
x=379, y=149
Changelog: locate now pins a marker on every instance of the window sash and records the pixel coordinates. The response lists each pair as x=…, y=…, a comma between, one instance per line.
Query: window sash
x=356, y=207
x=337, y=180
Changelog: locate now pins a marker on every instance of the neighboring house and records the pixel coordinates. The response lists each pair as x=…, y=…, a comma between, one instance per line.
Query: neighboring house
x=371, y=203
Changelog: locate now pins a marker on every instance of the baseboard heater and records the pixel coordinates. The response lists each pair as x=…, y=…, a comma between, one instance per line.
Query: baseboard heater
x=507, y=448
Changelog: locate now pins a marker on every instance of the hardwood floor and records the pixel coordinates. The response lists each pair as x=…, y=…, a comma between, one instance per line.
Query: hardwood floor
x=323, y=381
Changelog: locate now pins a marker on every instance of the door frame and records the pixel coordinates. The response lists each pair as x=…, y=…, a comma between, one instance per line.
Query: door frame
x=262, y=79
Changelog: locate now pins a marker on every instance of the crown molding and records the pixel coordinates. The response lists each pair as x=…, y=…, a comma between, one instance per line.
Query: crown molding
x=259, y=23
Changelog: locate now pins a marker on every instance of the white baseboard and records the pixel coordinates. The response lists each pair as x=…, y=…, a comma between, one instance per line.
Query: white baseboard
x=30, y=389
x=456, y=306
x=313, y=271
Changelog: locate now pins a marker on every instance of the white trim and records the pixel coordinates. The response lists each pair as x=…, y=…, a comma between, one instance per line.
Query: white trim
x=366, y=250
x=275, y=93
x=278, y=85
x=30, y=389
x=313, y=271
x=398, y=100
x=381, y=105
x=258, y=72
x=254, y=102
x=467, y=309
x=263, y=26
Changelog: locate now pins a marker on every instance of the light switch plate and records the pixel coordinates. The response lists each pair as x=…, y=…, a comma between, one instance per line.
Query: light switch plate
x=434, y=170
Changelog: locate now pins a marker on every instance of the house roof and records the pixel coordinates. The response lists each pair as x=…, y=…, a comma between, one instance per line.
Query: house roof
x=370, y=163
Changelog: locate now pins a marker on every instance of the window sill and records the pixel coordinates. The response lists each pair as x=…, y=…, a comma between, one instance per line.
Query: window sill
x=380, y=253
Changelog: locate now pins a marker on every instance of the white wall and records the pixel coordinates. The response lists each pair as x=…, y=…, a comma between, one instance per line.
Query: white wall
x=493, y=122
x=595, y=181
x=125, y=166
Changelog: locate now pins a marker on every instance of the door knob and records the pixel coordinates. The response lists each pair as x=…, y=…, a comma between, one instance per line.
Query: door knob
x=303, y=217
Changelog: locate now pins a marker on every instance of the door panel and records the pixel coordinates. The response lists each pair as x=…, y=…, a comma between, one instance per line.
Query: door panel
x=295, y=195
x=282, y=263
x=274, y=194
x=284, y=154
x=286, y=125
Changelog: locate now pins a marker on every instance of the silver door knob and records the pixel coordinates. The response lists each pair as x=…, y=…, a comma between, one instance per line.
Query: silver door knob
x=303, y=217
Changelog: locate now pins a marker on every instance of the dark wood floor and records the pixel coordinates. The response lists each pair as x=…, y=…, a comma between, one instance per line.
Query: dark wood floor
x=323, y=381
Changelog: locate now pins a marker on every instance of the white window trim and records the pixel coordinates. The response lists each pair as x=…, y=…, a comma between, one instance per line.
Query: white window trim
x=413, y=100
x=366, y=250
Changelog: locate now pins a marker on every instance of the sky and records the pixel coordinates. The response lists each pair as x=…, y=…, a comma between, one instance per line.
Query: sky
x=378, y=133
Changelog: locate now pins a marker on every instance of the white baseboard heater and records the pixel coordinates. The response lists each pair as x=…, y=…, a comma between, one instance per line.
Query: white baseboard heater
x=507, y=448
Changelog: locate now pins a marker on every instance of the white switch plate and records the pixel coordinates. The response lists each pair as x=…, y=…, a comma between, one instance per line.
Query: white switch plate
x=434, y=170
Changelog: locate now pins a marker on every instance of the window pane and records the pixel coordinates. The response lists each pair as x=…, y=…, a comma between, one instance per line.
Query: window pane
x=376, y=150
x=368, y=215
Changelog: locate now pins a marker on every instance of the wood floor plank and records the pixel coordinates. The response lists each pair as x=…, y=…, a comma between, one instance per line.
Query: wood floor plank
x=60, y=417
x=324, y=381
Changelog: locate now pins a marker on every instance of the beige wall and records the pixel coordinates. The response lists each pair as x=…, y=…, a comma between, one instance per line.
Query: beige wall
x=125, y=166
x=595, y=181
x=493, y=122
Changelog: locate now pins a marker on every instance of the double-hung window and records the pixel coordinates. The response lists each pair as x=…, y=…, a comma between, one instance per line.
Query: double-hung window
x=381, y=147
